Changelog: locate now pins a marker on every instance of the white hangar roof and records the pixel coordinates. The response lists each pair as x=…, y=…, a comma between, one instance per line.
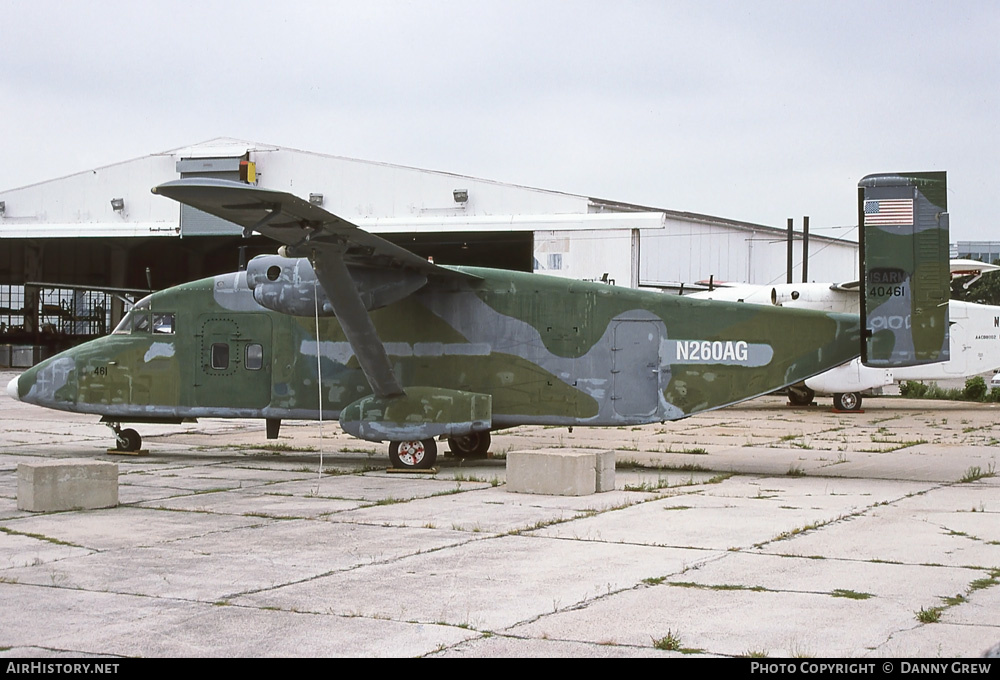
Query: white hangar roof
x=380, y=197
x=115, y=201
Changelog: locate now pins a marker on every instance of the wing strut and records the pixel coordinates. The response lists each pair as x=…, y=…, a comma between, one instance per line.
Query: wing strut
x=336, y=280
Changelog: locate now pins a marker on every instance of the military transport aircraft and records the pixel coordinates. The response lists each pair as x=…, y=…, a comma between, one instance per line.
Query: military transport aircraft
x=974, y=330
x=344, y=324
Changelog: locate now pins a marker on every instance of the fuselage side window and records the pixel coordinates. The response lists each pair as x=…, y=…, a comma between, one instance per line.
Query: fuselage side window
x=220, y=356
x=255, y=357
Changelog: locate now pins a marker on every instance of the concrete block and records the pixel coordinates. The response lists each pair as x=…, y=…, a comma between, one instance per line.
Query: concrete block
x=24, y=356
x=68, y=484
x=561, y=472
x=605, y=471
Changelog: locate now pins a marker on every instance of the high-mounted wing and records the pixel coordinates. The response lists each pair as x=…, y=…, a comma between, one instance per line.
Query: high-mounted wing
x=330, y=243
x=297, y=223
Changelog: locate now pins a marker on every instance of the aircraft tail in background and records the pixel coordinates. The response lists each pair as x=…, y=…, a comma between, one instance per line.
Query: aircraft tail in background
x=903, y=221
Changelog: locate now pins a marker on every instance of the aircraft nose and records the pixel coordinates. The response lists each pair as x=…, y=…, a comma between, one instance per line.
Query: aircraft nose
x=12, y=389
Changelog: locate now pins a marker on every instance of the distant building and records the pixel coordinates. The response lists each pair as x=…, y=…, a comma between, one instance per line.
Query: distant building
x=984, y=251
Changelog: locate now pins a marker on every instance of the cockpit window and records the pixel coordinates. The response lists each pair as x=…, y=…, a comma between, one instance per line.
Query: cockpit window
x=163, y=323
x=141, y=320
x=136, y=321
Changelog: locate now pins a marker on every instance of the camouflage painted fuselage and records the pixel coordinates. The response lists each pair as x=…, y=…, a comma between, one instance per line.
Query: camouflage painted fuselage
x=546, y=350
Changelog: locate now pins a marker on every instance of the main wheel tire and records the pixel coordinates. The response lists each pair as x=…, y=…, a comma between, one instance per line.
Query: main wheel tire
x=848, y=401
x=413, y=455
x=475, y=445
x=800, y=395
x=128, y=440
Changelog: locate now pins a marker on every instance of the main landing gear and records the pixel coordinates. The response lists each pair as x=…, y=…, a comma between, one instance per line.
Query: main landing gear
x=475, y=445
x=800, y=395
x=127, y=440
x=848, y=401
x=419, y=454
x=422, y=454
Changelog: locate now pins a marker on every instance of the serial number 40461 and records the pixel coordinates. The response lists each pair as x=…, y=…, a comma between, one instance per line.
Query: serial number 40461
x=886, y=291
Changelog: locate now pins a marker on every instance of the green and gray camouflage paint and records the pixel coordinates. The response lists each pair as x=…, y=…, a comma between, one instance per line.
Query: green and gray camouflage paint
x=904, y=251
x=345, y=324
x=495, y=350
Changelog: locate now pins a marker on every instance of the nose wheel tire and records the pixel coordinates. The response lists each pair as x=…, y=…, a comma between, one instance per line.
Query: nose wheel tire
x=413, y=455
x=848, y=401
x=475, y=445
x=128, y=440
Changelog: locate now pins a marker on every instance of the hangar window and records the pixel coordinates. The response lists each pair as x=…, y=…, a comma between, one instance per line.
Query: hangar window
x=255, y=357
x=220, y=356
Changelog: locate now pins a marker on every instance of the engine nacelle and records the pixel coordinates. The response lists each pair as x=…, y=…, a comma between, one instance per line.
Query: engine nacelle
x=814, y=296
x=288, y=285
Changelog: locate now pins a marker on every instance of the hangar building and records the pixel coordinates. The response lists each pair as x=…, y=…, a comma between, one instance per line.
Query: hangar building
x=73, y=249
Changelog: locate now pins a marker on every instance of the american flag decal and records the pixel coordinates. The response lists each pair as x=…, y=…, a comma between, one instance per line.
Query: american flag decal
x=892, y=212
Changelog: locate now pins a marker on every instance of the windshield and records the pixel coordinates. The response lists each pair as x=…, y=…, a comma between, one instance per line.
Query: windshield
x=141, y=320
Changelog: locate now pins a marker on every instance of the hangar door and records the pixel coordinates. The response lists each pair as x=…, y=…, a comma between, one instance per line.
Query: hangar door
x=194, y=222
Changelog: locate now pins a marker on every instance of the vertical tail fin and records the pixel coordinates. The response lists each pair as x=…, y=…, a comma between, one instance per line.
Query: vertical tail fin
x=903, y=221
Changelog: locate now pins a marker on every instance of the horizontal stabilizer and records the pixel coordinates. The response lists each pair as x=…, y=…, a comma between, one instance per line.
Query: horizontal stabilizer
x=422, y=413
x=903, y=220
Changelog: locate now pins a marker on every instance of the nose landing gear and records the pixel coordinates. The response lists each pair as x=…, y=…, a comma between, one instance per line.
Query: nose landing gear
x=128, y=440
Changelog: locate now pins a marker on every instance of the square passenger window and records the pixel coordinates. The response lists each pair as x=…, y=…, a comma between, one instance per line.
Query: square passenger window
x=220, y=355
x=255, y=357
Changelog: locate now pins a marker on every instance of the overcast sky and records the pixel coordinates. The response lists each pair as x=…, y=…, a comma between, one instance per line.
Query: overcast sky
x=753, y=110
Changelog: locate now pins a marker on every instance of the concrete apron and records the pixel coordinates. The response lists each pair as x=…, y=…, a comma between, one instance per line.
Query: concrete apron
x=763, y=530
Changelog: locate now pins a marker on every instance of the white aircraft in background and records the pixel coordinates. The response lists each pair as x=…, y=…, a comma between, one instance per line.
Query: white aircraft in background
x=975, y=335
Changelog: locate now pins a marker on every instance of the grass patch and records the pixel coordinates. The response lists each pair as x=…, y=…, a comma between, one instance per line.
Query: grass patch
x=285, y=448
x=975, y=473
x=671, y=642
x=460, y=477
x=40, y=537
x=660, y=483
x=721, y=477
x=389, y=500
x=851, y=594
x=982, y=583
x=932, y=615
x=356, y=449
x=690, y=467
x=718, y=586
